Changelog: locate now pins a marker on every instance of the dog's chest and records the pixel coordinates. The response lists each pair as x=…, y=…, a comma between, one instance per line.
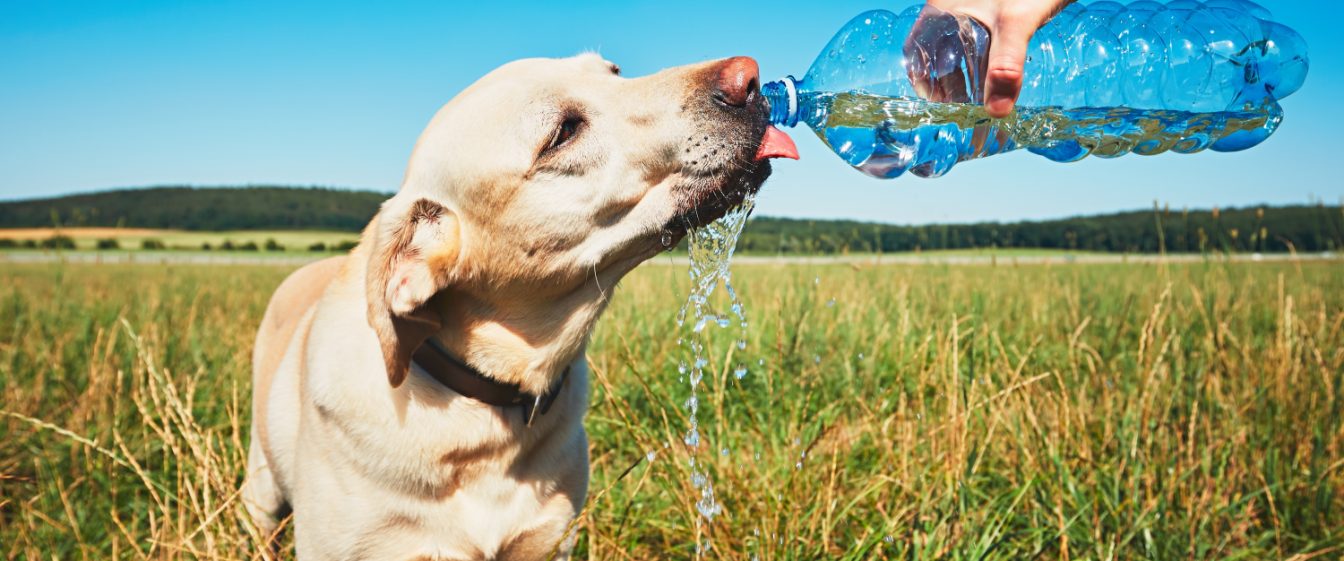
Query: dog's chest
x=385, y=502
x=427, y=449
x=476, y=522
x=422, y=474
x=472, y=503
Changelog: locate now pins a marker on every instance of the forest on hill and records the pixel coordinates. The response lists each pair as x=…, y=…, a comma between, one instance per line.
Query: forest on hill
x=1305, y=228
x=208, y=209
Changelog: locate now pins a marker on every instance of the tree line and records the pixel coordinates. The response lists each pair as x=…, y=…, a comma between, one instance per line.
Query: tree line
x=208, y=209
x=1305, y=228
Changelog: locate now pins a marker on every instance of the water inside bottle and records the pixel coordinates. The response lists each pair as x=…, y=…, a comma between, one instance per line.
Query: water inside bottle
x=886, y=136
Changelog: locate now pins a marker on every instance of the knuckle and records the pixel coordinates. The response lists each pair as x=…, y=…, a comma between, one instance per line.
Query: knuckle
x=1011, y=76
x=1014, y=14
x=1019, y=18
x=1005, y=67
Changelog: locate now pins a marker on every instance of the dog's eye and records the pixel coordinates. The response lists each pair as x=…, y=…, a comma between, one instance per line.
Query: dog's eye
x=568, y=128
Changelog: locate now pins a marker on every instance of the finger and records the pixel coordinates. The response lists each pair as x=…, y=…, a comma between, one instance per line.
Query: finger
x=1007, y=56
x=919, y=59
x=916, y=66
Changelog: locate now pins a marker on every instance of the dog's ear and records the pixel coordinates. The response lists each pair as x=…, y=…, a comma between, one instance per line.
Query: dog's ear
x=415, y=249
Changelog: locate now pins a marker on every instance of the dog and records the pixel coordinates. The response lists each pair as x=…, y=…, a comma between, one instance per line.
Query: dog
x=423, y=397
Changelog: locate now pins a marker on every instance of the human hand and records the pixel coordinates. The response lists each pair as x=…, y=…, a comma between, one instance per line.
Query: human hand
x=1011, y=24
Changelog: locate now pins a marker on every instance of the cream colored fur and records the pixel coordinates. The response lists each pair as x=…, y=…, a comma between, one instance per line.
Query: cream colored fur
x=506, y=251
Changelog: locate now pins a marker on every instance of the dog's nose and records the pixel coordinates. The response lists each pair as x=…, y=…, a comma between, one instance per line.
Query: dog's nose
x=739, y=78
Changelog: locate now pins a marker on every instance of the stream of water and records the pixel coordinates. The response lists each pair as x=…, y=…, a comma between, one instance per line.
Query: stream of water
x=711, y=253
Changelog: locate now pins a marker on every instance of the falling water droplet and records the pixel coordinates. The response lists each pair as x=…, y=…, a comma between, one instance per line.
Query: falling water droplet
x=711, y=249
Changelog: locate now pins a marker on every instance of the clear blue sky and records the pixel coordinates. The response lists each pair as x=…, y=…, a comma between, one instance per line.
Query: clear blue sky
x=96, y=95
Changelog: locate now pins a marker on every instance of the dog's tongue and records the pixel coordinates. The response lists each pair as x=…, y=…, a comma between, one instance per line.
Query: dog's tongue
x=776, y=144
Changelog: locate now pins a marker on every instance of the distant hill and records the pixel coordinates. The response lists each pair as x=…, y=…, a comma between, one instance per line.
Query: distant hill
x=1306, y=228
x=210, y=209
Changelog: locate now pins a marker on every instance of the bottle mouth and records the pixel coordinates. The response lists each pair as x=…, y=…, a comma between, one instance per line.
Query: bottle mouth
x=783, y=97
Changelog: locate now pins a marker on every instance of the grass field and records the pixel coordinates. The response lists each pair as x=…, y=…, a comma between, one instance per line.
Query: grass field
x=928, y=412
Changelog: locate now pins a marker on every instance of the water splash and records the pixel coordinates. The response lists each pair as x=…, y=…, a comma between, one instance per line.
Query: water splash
x=711, y=252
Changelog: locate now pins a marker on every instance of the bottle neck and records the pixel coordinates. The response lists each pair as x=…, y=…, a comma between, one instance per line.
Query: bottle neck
x=783, y=98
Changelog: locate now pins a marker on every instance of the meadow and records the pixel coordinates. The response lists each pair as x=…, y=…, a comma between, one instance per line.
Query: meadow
x=1116, y=411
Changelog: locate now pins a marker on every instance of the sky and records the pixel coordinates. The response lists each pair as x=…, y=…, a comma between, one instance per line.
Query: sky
x=97, y=95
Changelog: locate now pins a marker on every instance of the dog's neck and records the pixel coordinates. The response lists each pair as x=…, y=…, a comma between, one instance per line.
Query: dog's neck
x=524, y=343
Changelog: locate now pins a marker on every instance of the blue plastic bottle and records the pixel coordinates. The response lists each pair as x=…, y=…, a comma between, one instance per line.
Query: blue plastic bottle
x=893, y=92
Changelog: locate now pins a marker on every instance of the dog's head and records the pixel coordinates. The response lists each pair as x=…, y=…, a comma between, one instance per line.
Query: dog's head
x=546, y=181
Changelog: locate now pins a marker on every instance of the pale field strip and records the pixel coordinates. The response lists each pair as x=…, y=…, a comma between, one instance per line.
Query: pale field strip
x=44, y=233
x=181, y=240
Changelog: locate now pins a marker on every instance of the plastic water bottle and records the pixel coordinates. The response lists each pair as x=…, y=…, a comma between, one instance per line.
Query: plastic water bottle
x=893, y=92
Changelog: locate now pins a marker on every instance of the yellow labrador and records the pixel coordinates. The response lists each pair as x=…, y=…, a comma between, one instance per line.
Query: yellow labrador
x=423, y=397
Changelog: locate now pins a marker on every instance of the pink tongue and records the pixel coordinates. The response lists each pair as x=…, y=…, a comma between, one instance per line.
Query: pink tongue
x=776, y=144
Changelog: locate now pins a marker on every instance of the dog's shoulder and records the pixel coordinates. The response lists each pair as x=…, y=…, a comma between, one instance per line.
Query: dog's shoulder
x=300, y=291
x=290, y=303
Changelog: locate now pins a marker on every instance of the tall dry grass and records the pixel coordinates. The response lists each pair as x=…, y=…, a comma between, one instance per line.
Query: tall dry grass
x=1078, y=412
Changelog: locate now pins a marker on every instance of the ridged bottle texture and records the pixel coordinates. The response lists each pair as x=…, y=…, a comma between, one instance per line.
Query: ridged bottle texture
x=901, y=92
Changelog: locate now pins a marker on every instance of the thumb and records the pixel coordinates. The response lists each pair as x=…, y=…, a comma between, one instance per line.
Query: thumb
x=1007, y=56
